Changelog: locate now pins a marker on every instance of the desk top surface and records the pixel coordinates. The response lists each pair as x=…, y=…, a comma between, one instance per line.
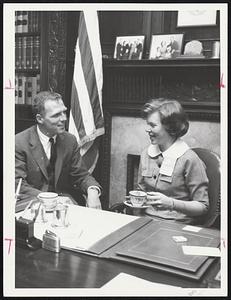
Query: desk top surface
x=69, y=269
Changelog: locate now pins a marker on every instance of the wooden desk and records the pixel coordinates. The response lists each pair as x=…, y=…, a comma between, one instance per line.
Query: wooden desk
x=67, y=269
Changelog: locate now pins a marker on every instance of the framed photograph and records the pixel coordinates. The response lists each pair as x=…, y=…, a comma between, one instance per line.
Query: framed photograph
x=129, y=47
x=188, y=18
x=165, y=46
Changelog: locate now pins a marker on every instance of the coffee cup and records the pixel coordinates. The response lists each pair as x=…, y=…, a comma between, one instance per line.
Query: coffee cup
x=48, y=200
x=137, y=198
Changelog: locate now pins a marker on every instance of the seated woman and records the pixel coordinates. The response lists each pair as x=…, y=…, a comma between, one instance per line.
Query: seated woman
x=170, y=172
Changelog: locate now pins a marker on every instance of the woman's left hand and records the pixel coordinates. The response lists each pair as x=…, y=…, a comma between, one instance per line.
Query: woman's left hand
x=160, y=201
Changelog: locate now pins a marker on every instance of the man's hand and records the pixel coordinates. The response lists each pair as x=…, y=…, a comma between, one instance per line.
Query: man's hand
x=93, y=200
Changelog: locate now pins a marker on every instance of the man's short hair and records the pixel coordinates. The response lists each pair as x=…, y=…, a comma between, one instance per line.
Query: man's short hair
x=38, y=102
x=171, y=113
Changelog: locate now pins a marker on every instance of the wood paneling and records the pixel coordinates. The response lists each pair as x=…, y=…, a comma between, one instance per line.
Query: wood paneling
x=43, y=52
x=23, y=117
x=56, y=51
x=116, y=23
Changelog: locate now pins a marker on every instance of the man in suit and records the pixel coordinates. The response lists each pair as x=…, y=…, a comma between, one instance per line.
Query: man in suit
x=52, y=165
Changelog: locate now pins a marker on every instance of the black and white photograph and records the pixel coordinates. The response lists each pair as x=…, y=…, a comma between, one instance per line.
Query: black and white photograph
x=166, y=46
x=129, y=47
x=115, y=168
x=197, y=17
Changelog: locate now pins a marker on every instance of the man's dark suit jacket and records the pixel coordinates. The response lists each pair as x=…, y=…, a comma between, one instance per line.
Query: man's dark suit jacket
x=30, y=165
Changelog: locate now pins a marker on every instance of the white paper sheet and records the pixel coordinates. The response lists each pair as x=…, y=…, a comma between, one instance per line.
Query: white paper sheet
x=125, y=282
x=191, y=228
x=204, y=251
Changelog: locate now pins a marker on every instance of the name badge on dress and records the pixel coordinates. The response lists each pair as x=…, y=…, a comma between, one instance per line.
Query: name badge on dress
x=167, y=166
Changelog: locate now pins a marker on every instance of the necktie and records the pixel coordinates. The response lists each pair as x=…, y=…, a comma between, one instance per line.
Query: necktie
x=53, y=152
x=51, y=166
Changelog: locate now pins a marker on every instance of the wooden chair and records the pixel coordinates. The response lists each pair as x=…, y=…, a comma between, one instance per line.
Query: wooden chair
x=212, y=163
x=119, y=207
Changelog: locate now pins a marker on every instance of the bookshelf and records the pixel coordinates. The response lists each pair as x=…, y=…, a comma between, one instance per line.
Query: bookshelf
x=27, y=55
x=28, y=64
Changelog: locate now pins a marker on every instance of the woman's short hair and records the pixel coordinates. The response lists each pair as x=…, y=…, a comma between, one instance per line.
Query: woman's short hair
x=38, y=102
x=171, y=113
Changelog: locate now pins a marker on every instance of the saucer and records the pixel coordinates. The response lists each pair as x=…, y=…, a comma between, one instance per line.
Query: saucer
x=128, y=203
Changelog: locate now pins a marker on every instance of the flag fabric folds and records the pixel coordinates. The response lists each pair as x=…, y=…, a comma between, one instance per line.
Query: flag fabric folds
x=86, y=114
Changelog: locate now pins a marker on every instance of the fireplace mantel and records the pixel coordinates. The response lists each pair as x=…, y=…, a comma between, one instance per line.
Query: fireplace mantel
x=194, y=82
x=151, y=63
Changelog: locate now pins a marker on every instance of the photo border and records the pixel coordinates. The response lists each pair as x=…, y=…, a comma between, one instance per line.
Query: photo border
x=130, y=36
x=190, y=21
x=166, y=34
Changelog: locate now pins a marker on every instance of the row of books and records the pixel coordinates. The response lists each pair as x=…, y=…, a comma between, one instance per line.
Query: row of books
x=27, y=21
x=27, y=52
x=26, y=87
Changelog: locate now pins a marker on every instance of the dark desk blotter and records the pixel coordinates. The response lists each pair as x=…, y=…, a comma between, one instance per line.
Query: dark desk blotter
x=156, y=245
x=119, y=235
x=164, y=268
x=165, y=254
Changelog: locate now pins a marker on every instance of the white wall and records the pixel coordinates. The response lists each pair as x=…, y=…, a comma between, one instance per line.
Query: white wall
x=129, y=137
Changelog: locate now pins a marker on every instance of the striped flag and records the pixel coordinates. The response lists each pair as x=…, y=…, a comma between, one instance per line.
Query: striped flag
x=86, y=115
